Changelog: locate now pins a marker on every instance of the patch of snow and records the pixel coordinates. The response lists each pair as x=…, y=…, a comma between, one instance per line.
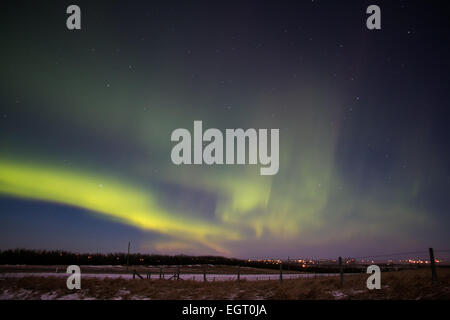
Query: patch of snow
x=338, y=295
x=72, y=296
x=139, y=298
x=353, y=291
x=18, y=295
x=101, y=266
x=123, y=292
x=186, y=276
x=49, y=296
x=6, y=295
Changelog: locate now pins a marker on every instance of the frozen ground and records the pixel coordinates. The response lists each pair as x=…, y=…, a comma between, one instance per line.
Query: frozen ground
x=23, y=294
x=400, y=285
x=195, y=277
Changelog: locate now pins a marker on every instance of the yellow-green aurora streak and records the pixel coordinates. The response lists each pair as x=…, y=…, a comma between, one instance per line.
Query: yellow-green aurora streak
x=117, y=200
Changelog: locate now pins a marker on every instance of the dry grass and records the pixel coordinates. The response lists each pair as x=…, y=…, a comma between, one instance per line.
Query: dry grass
x=410, y=285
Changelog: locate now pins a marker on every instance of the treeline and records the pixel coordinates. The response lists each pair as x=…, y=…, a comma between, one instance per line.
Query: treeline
x=57, y=257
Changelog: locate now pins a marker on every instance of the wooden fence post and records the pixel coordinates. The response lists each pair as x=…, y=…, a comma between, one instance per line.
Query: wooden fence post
x=178, y=273
x=239, y=274
x=160, y=272
x=204, y=273
x=134, y=274
x=128, y=256
x=341, y=271
x=281, y=272
x=433, y=267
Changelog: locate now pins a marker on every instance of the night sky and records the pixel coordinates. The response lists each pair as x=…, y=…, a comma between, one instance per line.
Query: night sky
x=86, y=118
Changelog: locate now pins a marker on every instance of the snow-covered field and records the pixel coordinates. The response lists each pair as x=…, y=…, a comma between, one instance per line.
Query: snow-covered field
x=23, y=294
x=195, y=277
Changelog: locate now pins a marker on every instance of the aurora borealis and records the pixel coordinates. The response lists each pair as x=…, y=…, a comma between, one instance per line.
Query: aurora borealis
x=86, y=118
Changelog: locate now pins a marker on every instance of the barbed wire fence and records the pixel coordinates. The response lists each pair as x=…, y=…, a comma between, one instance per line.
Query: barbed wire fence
x=320, y=268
